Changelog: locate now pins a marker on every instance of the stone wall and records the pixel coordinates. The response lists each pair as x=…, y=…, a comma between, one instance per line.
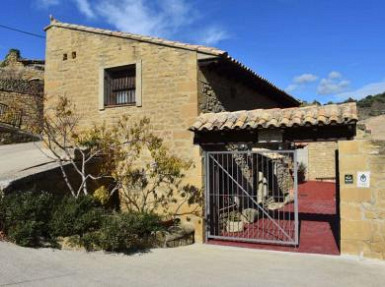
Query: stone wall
x=21, y=88
x=218, y=93
x=362, y=209
x=321, y=160
x=169, y=88
x=31, y=106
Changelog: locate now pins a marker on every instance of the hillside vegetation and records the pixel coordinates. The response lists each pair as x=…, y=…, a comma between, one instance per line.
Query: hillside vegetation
x=369, y=106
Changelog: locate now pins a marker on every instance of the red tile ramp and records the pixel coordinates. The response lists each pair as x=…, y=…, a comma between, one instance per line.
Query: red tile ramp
x=318, y=222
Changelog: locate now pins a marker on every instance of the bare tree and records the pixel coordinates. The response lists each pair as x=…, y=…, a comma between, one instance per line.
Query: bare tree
x=129, y=154
x=70, y=145
x=149, y=176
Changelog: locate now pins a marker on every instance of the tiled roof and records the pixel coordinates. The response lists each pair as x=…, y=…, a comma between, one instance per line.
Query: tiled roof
x=155, y=40
x=277, y=118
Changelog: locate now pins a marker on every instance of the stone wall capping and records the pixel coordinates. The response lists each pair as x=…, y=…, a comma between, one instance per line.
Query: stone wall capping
x=154, y=40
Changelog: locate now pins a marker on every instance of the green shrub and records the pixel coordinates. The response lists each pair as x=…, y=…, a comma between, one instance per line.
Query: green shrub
x=33, y=219
x=128, y=232
x=25, y=217
x=79, y=216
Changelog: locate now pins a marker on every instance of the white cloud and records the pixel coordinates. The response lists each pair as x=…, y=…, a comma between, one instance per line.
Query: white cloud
x=291, y=88
x=132, y=16
x=305, y=78
x=369, y=89
x=47, y=3
x=162, y=18
x=332, y=84
x=334, y=75
x=85, y=8
x=301, y=81
x=212, y=35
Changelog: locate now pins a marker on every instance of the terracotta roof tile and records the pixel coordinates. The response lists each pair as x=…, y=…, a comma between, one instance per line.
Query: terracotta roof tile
x=278, y=118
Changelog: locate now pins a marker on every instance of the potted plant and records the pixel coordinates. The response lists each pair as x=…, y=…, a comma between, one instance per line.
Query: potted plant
x=301, y=172
x=234, y=222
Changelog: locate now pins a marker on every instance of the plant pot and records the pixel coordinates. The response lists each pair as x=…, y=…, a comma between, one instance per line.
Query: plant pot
x=250, y=215
x=234, y=226
x=301, y=176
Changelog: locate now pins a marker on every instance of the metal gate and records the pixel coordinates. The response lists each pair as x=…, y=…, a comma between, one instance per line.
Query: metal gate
x=252, y=196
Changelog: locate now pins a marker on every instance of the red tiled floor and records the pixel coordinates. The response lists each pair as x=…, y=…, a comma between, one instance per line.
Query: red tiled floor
x=265, y=229
x=318, y=223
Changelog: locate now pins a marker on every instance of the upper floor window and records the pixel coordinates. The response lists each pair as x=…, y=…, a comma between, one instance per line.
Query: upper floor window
x=120, y=85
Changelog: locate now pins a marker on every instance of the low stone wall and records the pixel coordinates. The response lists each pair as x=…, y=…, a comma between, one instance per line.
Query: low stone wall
x=30, y=105
x=362, y=208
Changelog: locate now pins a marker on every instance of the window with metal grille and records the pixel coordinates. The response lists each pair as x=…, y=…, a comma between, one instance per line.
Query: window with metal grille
x=120, y=87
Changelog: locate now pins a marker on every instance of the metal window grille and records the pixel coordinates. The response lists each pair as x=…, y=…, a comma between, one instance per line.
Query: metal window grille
x=120, y=86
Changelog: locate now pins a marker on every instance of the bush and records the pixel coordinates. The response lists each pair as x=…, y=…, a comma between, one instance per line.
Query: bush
x=128, y=232
x=34, y=219
x=25, y=217
x=79, y=216
x=102, y=195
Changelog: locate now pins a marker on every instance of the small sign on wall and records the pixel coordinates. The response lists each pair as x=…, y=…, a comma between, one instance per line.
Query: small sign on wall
x=348, y=179
x=363, y=179
x=270, y=136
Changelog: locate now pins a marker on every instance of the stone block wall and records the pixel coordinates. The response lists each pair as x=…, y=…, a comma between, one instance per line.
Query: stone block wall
x=321, y=160
x=22, y=89
x=362, y=209
x=30, y=105
x=218, y=93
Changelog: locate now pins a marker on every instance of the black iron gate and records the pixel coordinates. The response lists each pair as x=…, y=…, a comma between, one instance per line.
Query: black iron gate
x=252, y=196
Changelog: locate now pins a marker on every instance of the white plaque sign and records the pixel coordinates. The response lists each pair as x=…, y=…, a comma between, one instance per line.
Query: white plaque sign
x=363, y=179
x=269, y=136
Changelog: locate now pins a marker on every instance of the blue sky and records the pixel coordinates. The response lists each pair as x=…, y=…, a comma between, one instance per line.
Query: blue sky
x=314, y=49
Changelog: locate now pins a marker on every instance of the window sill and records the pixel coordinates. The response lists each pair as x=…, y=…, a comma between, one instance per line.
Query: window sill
x=120, y=105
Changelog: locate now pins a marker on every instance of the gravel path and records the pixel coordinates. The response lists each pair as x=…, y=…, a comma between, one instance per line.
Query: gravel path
x=196, y=265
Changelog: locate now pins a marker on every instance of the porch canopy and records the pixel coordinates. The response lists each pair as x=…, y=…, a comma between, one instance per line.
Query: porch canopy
x=311, y=123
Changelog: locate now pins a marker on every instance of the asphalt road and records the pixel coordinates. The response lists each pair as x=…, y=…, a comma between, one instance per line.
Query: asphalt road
x=195, y=265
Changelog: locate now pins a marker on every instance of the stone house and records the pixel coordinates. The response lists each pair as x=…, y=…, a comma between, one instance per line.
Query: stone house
x=199, y=100
x=21, y=96
x=109, y=74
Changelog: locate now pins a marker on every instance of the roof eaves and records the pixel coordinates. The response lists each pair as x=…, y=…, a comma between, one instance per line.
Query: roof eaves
x=288, y=97
x=276, y=92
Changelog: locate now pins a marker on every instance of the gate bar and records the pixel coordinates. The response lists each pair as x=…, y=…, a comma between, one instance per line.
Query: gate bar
x=253, y=200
